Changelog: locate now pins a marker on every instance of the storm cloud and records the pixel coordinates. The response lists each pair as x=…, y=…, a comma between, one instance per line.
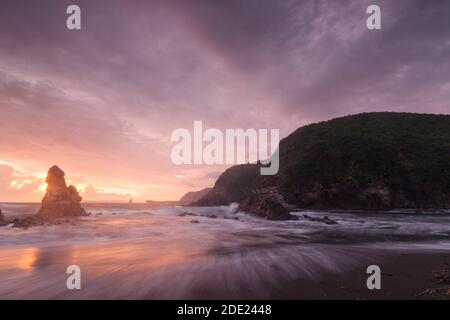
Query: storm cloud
x=102, y=101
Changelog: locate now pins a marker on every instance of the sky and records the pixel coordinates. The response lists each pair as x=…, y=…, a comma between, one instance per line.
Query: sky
x=102, y=102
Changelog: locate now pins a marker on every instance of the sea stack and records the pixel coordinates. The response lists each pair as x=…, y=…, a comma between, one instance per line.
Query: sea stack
x=59, y=200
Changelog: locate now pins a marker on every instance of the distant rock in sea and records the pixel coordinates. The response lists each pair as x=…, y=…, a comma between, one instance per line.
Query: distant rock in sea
x=60, y=200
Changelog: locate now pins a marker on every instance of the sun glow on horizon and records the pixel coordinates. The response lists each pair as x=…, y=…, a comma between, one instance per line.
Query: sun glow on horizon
x=23, y=183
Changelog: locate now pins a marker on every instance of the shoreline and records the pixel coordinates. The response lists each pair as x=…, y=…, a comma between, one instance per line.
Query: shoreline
x=403, y=276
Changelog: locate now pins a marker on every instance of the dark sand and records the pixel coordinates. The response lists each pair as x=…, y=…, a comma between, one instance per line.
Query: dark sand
x=404, y=276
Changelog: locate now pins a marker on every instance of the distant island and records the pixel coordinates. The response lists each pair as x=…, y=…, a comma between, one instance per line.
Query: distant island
x=369, y=161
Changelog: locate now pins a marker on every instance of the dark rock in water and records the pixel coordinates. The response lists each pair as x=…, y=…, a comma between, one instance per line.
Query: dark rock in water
x=231, y=218
x=267, y=203
x=325, y=219
x=185, y=213
x=60, y=200
x=30, y=221
x=3, y=221
x=36, y=220
x=195, y=221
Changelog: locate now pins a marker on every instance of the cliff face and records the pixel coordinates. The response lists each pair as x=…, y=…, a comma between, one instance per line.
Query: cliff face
x=232, y=186
x=60, y=200
x=194, y=196
x=372, y=161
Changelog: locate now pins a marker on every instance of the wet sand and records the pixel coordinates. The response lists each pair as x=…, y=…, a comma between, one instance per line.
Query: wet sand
x=404, y=276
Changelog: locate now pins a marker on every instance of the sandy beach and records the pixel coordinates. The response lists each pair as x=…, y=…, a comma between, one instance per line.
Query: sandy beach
x=404, y=276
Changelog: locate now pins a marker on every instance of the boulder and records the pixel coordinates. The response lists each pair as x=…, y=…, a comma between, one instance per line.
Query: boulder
x=60, y=200
x=267, y=203
x=30, y=221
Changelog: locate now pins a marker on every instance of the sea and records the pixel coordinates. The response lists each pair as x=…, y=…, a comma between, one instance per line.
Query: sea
x=132, y=251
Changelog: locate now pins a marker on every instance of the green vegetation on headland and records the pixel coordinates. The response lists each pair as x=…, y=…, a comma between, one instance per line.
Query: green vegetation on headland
x=369, y=161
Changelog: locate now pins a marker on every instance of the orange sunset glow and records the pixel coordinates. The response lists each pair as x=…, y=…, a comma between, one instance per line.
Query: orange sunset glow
x=28, y=185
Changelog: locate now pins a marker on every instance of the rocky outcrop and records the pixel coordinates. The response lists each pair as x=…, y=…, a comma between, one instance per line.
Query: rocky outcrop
x=371, y=161
x=345, y=194
x=25, y=222
x=30, y=221
x=267, y=203
x=234, y=185
x=325, y=219
x=3, y=221
x=60, y=200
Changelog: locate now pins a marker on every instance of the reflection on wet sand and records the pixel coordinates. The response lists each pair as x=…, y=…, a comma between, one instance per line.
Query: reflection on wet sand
x=27, y=258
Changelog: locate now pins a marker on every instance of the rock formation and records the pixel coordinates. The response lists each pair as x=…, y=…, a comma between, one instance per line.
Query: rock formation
x=234, y=185
x=325, y=219
x=59, y=200
x=193, y=196
x=267, y=203
x=3, y=222
x=371, y=161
